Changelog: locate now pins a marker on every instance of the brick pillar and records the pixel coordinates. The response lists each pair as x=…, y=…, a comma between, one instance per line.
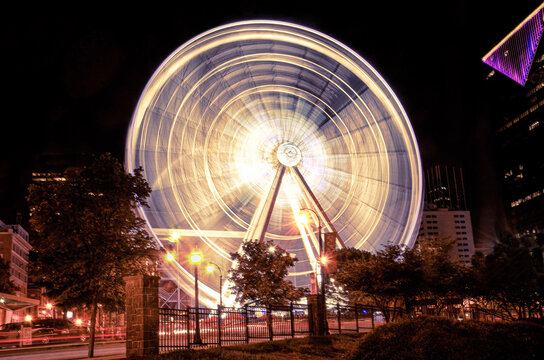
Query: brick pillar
x=142, y=314
x=317, y=316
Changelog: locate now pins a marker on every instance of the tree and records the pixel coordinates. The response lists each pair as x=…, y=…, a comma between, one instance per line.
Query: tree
x=87, y=235
x=395, y=276
x=443, y=280
x=511, y=276
x=6, y=285
x=259, y=275
x=381, y=278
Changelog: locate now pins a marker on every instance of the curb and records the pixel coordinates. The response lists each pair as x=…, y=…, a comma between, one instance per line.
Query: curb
x=11, y=351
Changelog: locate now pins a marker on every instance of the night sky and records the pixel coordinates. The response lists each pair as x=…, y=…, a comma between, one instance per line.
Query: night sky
x=72, y=77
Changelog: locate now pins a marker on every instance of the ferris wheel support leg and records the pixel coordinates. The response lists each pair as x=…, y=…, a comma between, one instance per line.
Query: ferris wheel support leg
x=313, y=200
x=261, y=218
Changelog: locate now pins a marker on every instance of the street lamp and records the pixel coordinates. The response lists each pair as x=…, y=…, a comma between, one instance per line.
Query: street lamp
x=196, y=258
x=210, y=269
x=322, y=258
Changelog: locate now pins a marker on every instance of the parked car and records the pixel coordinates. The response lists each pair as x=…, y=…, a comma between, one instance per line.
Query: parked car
x=59, y=330
x=44, y=331
x=10, y=334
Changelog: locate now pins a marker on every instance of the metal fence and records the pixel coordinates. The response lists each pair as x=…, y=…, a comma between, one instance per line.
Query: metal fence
x=179, y=329
x=226, y=326
x=358, y=318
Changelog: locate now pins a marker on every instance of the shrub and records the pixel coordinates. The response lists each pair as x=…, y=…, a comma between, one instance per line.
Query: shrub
x=439, y=338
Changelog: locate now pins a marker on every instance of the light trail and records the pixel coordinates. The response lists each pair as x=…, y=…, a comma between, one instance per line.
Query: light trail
x=209, y=123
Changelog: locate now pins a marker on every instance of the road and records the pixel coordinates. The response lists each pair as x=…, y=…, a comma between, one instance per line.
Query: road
x=63, y=352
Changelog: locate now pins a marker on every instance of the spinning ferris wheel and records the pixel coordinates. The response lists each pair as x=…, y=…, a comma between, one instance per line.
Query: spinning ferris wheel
x=245, y=124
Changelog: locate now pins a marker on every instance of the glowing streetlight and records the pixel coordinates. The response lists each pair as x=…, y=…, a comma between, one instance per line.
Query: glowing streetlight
x=301, y=218
x=210, y=268
x=49, y=306
x=170, y=257
x=196, y=258
x=174, y=236
x=28, y=318
x=272, y=249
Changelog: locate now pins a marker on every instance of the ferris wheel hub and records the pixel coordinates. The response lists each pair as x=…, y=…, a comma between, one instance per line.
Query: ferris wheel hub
x=289, y=154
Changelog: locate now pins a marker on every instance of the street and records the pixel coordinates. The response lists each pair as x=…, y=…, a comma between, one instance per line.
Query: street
x=63, y=352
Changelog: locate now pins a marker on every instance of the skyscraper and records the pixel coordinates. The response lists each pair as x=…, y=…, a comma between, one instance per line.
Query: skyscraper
x=519, y=129
x=445, y=188
x=445, y=214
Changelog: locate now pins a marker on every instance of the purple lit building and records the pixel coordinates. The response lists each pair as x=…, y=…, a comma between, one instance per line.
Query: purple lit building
x=514, y=55
x=519, y=122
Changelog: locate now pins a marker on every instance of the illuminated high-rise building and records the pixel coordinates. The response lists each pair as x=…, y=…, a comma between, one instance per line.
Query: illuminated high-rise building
x=519, y=123
x=445, y=187
x=445, y=214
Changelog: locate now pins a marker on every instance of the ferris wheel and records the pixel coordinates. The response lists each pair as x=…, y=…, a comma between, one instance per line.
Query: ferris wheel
x=246, y=124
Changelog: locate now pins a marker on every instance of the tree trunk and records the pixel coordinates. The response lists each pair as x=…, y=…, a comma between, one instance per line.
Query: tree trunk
x=269, y=322
x=93, y=327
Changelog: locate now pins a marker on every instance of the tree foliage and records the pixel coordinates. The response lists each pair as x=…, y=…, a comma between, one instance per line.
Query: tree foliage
x=394, y=276
x=6, y=285
x=259, y=275
x=87, y=235
x=380, y=279
x=443, y=280
x=511, y=277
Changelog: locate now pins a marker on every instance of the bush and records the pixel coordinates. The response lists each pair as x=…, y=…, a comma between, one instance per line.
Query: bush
x=439, y=338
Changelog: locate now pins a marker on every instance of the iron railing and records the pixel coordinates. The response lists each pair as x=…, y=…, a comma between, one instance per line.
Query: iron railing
x=228, y=326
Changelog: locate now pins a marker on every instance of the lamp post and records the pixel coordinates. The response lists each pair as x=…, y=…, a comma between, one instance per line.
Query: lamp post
x=210, y=269
x=322, y=258
x=196, y=258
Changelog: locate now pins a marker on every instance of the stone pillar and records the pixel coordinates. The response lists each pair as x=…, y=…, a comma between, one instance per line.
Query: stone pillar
x=317, y=316
x=142, y=315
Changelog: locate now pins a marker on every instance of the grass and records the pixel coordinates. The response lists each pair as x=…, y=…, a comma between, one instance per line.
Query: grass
x=318, y=348
x=419, y=339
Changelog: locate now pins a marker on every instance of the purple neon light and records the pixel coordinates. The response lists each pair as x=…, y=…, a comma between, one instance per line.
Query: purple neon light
x=514, y=56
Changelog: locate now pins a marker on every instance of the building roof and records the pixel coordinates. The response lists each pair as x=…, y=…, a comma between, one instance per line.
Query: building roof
x=14, y=302
x=513, y=55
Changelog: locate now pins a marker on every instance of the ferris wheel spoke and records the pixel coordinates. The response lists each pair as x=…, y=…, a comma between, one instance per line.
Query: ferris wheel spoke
x=313, y=200
x=261, y=219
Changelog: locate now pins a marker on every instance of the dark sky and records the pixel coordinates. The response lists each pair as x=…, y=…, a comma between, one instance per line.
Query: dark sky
x=72, y=77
